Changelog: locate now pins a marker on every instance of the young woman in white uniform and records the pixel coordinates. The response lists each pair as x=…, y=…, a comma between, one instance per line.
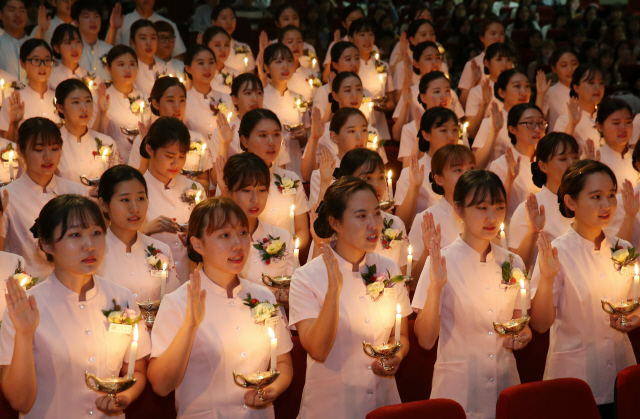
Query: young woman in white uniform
x=287, y=15
x=219, y=41
x=224, y=16
x=144, y=40
x=67, y=47
x=563, y=63
x=291, y=36
x=9, y=264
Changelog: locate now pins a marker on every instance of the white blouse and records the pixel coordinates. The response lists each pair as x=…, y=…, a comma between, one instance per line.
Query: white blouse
x=283, y=105
x=278, y=209
x=34, y=105
x=636, y=130
x=61, y=73
x=582, y=343
x=256, y=265
x=170, y=201
x=223, y=79
x=426, y=196
x=345, y=378
x=466, y=78
x=121, y=118
x=9, y=263
x=371, y=82
x=417, y=108
x=227, y=340
x=451, y=226
x=555, y=102
x=94, y=58
x=199, y=116
x=5, y=170
x=73, y=337
x=620, y=164
x=299, y=82
x=236, y=58
x=147, y=76
x=474, y=100
x=473, y=366
x=131, y=269
x=585, y=130
x=326, y=142
x=321, y=101
x=27, y=199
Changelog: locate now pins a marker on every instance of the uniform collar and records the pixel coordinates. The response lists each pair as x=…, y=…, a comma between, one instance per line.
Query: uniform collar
x=49, y=188
x=605, y=149
x=471, y=253
x=212, y=287
x=152, y=181
x=345, y=265
x=67, y=135
x=114, y=242
x=578, y=240
x=60, y=289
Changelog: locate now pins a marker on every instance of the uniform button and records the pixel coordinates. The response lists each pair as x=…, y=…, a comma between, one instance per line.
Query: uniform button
x=369, y=368
x=135, y=295
x=244, y=354
x=487, y=287
x=490, y=311
x=491, y=356
x=491, y=380
x=176, y=263
x=133, y=274
x=273, y=210
x=255, y=261
x=362, y=298
x=176, y=244
x=244, y=407
x=92, y=359
x=239, y=327
x=370, y=393
x=172, y=208
x=367, y=321
x=81, y=159
x=81, y=305
x=88, y=332
x=231, y=303
x=490, y=333
x=610, y=363
x=607, y=341
x=602, y=275
x=597, y=253
x=128, y=255
x=89, y=412
x=167, y=192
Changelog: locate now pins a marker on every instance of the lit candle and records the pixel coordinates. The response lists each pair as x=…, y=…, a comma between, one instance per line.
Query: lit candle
x=142, y=112
x=11, y=166
x=105, y=166
x=381, y=77
x=375, y=143
x=229, y=117
x=204, y=147
x=311, y=86
x=246, y=64
x=274, y=350
x=398, y=322
x=313, y=63
x=90, y=84
x=163, y=281
x=523, y=298
x=299, y=113
x=198, y=197
x=296, y=255
x=181, y=80
x=409, y=262
x=503, y=237
x=377, y=56
x=370, y=111
x=292, y=214
x=464, y=133
x=390, y=185
x=636, y=285
x=133, y=353
x=2, y=88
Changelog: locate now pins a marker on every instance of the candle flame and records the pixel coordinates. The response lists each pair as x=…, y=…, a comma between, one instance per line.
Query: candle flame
x=465, y=125
x=246, y=61
x=11, y=155
x=198, y=197
x=409, y=249
x=181, y=80
x=141, y=106
x=90, y=83
x=502, y=227
x=398, y=308
x=293, y=207
x=104, y=152
x=377, y=56
x=164, y=266
x=271, y=334
x=170, y=75
x=2, y=83
x=229, y=117
x=25, y=281
x=298, y=244
x=522, y=283
x=204, y=147
x=380, y=76
x=370, y=106
x=310, y=82
x=389, y=174
x=135, y=333
x=375, y=142
x=313, y=62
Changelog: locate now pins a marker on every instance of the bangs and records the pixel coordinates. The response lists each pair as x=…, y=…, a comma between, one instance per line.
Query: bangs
x=251, y=178
x=591, y=74
x=459, y=156
x=281, y=52
x=489, y=191
x=370, y=165
x=565, y=146
x=47, y=138
x=224, y=215
x=252, y=84
x=81, y=215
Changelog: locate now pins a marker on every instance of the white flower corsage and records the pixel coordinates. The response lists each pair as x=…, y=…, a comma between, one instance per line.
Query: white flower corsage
x=260, y=310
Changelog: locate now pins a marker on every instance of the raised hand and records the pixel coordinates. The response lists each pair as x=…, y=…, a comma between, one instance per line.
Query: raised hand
x=4, y=202
x=196, y=298
x=23, y=310
x=326, y=165
x=437, y=265
x=220, y=163
x=406, y=92
x=103, y=99
x=336, y=36
x=16, y=107
x=542, y=84
x=333, y=270
x=117, y=19
x=476, y=73
x=487, y=91
x=416, y=172
x=313, y=216
x=630, y=200
x=263, y=41
x=547, y=257
x=226, y=132
x=497, y=118
x=588, y=151
x=536, y=216
x=44, y=21
x=317, y=124
x=430, y=231
x=575, y=111
x=513, y=166
x=332, y=77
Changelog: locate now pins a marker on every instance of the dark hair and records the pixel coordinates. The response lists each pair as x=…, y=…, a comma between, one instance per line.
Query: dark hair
x=211, y=32
x=357, y=158
x=513, y=118
x=635, y=158
x=246, y=169
x=118, y=51
x=251, y=119
x=340, y=118
x=66, y=30
x=609, y=106
x=583, y=55
x=496, y=50
x=85, y=6
x=587, y=71
x=254, y=83
x=337, y=50
x=335, y=202
x=483, y=184
x=415, y=26
x=191, y=53
x=165, y=131
x=210, y=215
x=418, y=50
x=139, y=24
x=164, y=26
x=433, y=118
x=65, y=88
x=449, y=155
x=159, y=87
x=503, y=81
x=282, y=32
x=548, y=147
x=488, y=21
x=114, y=176
x=215, y=13
x=31, y=44
x=424, y=84
x=275, y=51
x=38, y=127
x=361, y=25
x=3, y=3
x=65, y=210
x=350, y=9
x=575, y=178
x=280, y=10
x=335, y=87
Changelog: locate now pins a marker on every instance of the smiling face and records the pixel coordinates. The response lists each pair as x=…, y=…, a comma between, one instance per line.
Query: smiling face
x=349, y=61
x=167, y=162
x=353, y=134
x=264, y=140
x=430, y=60
x=124, y=69
x=617, y=128
x=70, y=49
x=80, y=251
x=361, y=223
x=220, y=44
x=293, y=40
x=128, y=207
x=523, y=134
x=41, y=160
x=438, y=94
x=77, y=107
x=172, y=103
x=350, y=94
x=202, y=68
x=39, y=73
x=226, y=248
x=565, y=67
x=252, y=199
x=518, y=91
x=595, y=204
x=145, y=43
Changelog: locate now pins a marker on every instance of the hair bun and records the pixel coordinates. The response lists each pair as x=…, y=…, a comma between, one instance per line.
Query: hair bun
x=321, y=225
x=34, y=229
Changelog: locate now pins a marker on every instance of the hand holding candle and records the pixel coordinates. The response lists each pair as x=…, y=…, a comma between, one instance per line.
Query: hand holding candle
x=503, y=237
x=398, y=323
x=274, y=350
x=202, y=150
x=409, y=262
x=133, y=353
x=11, y=174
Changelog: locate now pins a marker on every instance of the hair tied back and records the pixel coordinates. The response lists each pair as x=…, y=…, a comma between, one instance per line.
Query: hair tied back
x=34, y=229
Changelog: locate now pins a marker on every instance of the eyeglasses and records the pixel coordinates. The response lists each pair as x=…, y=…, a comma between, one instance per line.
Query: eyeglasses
x=37, y=62
x=164, y=39
x=532, y=125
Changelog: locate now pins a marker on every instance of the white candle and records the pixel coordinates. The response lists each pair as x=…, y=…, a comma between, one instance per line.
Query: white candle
x=299, y=113
x=274, y=350
x=398, y=323
x=377, y=56
x=636, y=285
x=2, y=88
x=390, y=185
x=375, y=143
x=246, y=64
x=142, y=113
x=381, y=85
x=229, y=117
x=296, y=255
x=204, y=148
x=503, y=237
x=133, y=353
x=105, y=165
x=464, y=133
x=11, y=175
x=313, y=63
x=163, y=281
x=523, y=298
x=409, y=262
x=292, y=214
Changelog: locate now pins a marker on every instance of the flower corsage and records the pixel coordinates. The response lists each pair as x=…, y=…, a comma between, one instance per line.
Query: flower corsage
x=155, y=258
x=4, y=154
x=195, y=146
x=90, y=80
x=511, y=275
x=272, y=249
x=622, y=258
x=217, y=106
x=315, y=82
x=227, y=78
x=261, y=311
x=25, y=280
x=103, y=150
x=241, y=50
x=136, y=103
x=381, y=67
x=103, y=59
x=189, y=195
x=286, y=185
x=16, y=85
x=389, y=234
x=118, y=315
x=377, y=283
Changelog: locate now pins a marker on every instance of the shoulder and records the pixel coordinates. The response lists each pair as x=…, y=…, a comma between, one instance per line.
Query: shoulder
x=147, y=240
x=183, y=182
x=312, y=271
x=11, y=260
x=111, y=289
x=102, y=137
x=259, y=292
x=383, y=263
x=66, y=186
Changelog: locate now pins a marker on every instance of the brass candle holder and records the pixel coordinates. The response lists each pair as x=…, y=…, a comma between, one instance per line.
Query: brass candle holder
x=111, y=386
x=624, y=308
x=149, y=311
x=382, y=352
x=513, y=327
x=280, y=282
x=258, y=380
x=89, y=182
x=130, y=132
x=190, y=172
x=387, y=205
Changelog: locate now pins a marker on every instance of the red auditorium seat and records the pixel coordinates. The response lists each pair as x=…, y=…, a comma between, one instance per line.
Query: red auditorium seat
x=287, y=405
x=627, y=70
x=437, y=408
x=553, y=399
x=150, y=405
x=416, y=371
x=520, y=36
x=532, y=358
x=6, y=412
x=627, y=385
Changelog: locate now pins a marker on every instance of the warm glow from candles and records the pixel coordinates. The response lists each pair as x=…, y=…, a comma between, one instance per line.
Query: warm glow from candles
x=389, y=174
x=90, y=84
x=466, y=124
x=375, y=142
x=298, y=103
x=181, y=80
x=293, y=208
x=135, y=333
x=11, y=156
x=636, y=269
x=142, y=107
x=164, y=266
x=104, y=153
x=25, y=281
x=198, y=197
x=398, y=308
x=502, y=227
x=229, y=117
x=298, y=245
x=522, y=283
x=311, y=83
x=377, y=56
x=2, y=83
x=380, y=78
x=271, y=334
x=409, y=249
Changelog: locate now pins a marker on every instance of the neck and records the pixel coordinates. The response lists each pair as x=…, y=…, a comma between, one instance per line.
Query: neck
x=365, y=56
x=296, y=63
x=128, y=237
x=39, y=87
x=619, y=148
x=448, y=196
x=279, y=85
x=76, y=130
x=165, y=58
x=64, y=18
x=71, y=65
x=147, y=60
x=507, y=107
x=40, y=180
x=253, y=224
x=482, y=246
x=349, y=253
x=525, y=148
x=78, y=283
x=145, y=12
x=161, y=178
x=203, y=87
x=123, y=87
x=591, y=233
x=89, y=38
x=553, y=184
x=15, y=32
x=219, y=65
x=590, y=107
x=225, y=280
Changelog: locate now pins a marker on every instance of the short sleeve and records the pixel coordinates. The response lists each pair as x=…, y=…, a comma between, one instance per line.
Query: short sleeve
x=168, y=321
x=302, y=204
x=407, y=141
x=473, y=101
x=415, y=237
x=558, y=283
x=303, y=302
x=402, y=186
x=422, y=289
x=499, y=168
x=4, y=118
x=465, y=77
x=7, y=339
x=517, y=227
x=456, y=106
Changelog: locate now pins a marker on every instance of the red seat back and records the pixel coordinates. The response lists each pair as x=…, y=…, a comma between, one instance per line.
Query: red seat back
x=627, y=385
x=553, y=399
x=437, y=408
x=287, y=405
x=150, y=405
x=416, y=371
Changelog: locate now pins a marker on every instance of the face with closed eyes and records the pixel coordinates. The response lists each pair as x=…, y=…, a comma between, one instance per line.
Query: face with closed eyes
x=361, y=223
x=252, y=199
x=617, y=128
x=167, y=162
